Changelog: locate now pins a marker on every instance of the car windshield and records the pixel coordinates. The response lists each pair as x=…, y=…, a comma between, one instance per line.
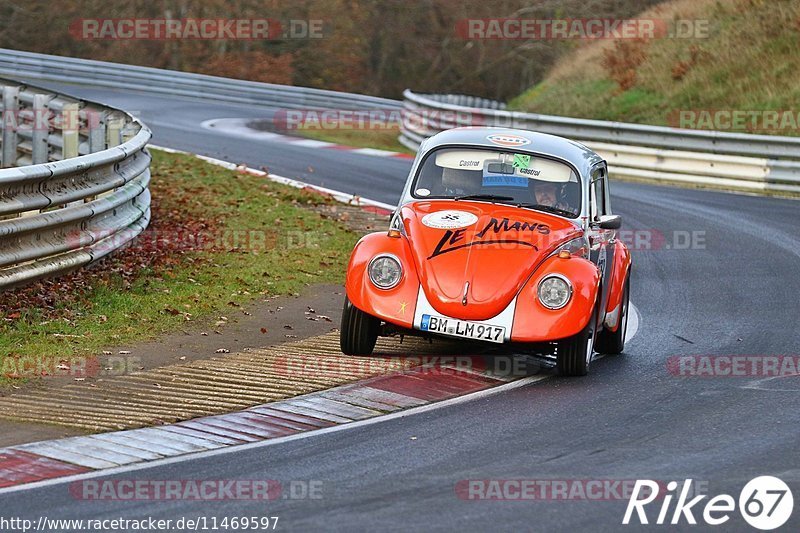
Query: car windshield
x=499, y=176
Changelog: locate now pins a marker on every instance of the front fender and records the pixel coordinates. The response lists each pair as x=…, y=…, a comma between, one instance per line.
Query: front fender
x=621, y=268
x=395, y=305
x=533, y=322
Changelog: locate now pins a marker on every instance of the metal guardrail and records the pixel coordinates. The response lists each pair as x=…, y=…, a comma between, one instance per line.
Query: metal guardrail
x=76, y=191
x=462, y=100
x=74, y=181
x=42, y=67
x=756, y=163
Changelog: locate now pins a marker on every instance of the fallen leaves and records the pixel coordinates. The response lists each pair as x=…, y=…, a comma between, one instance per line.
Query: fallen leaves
x=310, y=311
x=175, y=230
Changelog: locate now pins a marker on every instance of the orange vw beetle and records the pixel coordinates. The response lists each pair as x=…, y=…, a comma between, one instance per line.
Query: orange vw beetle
x=501, y=236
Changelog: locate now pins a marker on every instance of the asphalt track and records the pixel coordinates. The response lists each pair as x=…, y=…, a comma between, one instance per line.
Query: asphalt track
x=733, y=292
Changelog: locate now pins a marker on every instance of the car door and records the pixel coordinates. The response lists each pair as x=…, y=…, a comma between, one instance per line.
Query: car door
x=601, y=241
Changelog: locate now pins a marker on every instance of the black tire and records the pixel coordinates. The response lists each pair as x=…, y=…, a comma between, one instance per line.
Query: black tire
x=613, y=342
x=574, y=353
x=359, y=331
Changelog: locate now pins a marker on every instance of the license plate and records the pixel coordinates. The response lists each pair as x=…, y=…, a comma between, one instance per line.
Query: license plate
x=462, y=328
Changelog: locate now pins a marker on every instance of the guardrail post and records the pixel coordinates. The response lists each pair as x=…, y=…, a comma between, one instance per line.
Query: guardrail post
x=96, y=122
x=70, y=130
x=40, y=150
x=8, y=158
x=114, y=130
x=70, y=127
x=128, y=132
x=114, y=125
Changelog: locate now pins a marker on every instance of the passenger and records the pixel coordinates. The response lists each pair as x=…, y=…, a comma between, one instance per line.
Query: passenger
x=457, y=182
x=549, y=194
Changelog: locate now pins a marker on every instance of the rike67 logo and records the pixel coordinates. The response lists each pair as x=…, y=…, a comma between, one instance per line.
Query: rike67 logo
x=765, y=503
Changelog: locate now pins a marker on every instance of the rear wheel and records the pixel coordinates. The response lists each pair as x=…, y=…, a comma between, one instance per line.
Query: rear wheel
x=359, y=331
x=613, y=342
x=575, y=353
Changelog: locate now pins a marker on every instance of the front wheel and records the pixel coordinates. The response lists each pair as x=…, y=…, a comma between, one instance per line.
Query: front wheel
x=575, y=353
x=359, y=331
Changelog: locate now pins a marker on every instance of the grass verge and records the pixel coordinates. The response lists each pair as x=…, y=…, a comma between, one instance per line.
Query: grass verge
x=381, y=139
x=218, y=239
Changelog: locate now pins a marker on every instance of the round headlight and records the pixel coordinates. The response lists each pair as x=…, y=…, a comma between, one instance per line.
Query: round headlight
x=555, y=292
x=385, y=271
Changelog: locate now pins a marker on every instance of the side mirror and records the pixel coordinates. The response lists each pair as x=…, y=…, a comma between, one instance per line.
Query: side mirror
x=609, y=222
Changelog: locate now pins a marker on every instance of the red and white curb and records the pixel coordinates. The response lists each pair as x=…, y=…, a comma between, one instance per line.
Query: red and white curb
x=238, y=127
x=365, y=402
x=357, y=402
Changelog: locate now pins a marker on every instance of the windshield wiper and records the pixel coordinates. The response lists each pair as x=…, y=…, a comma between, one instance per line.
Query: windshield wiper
x=548, y=208
x=491, y=197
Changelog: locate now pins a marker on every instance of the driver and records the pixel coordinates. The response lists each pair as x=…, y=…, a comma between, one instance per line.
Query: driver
x=549, y=193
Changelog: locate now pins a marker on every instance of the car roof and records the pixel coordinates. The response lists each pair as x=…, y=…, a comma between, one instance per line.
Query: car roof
x=579, y=155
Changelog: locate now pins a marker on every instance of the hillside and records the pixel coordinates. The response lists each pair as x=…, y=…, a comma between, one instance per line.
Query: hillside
x=748, y=60
x=363, y=46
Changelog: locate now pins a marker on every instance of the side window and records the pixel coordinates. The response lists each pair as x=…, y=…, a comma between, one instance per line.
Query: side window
x=598, y=193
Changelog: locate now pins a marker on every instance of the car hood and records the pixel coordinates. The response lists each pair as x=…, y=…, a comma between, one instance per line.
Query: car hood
x=493, y=247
